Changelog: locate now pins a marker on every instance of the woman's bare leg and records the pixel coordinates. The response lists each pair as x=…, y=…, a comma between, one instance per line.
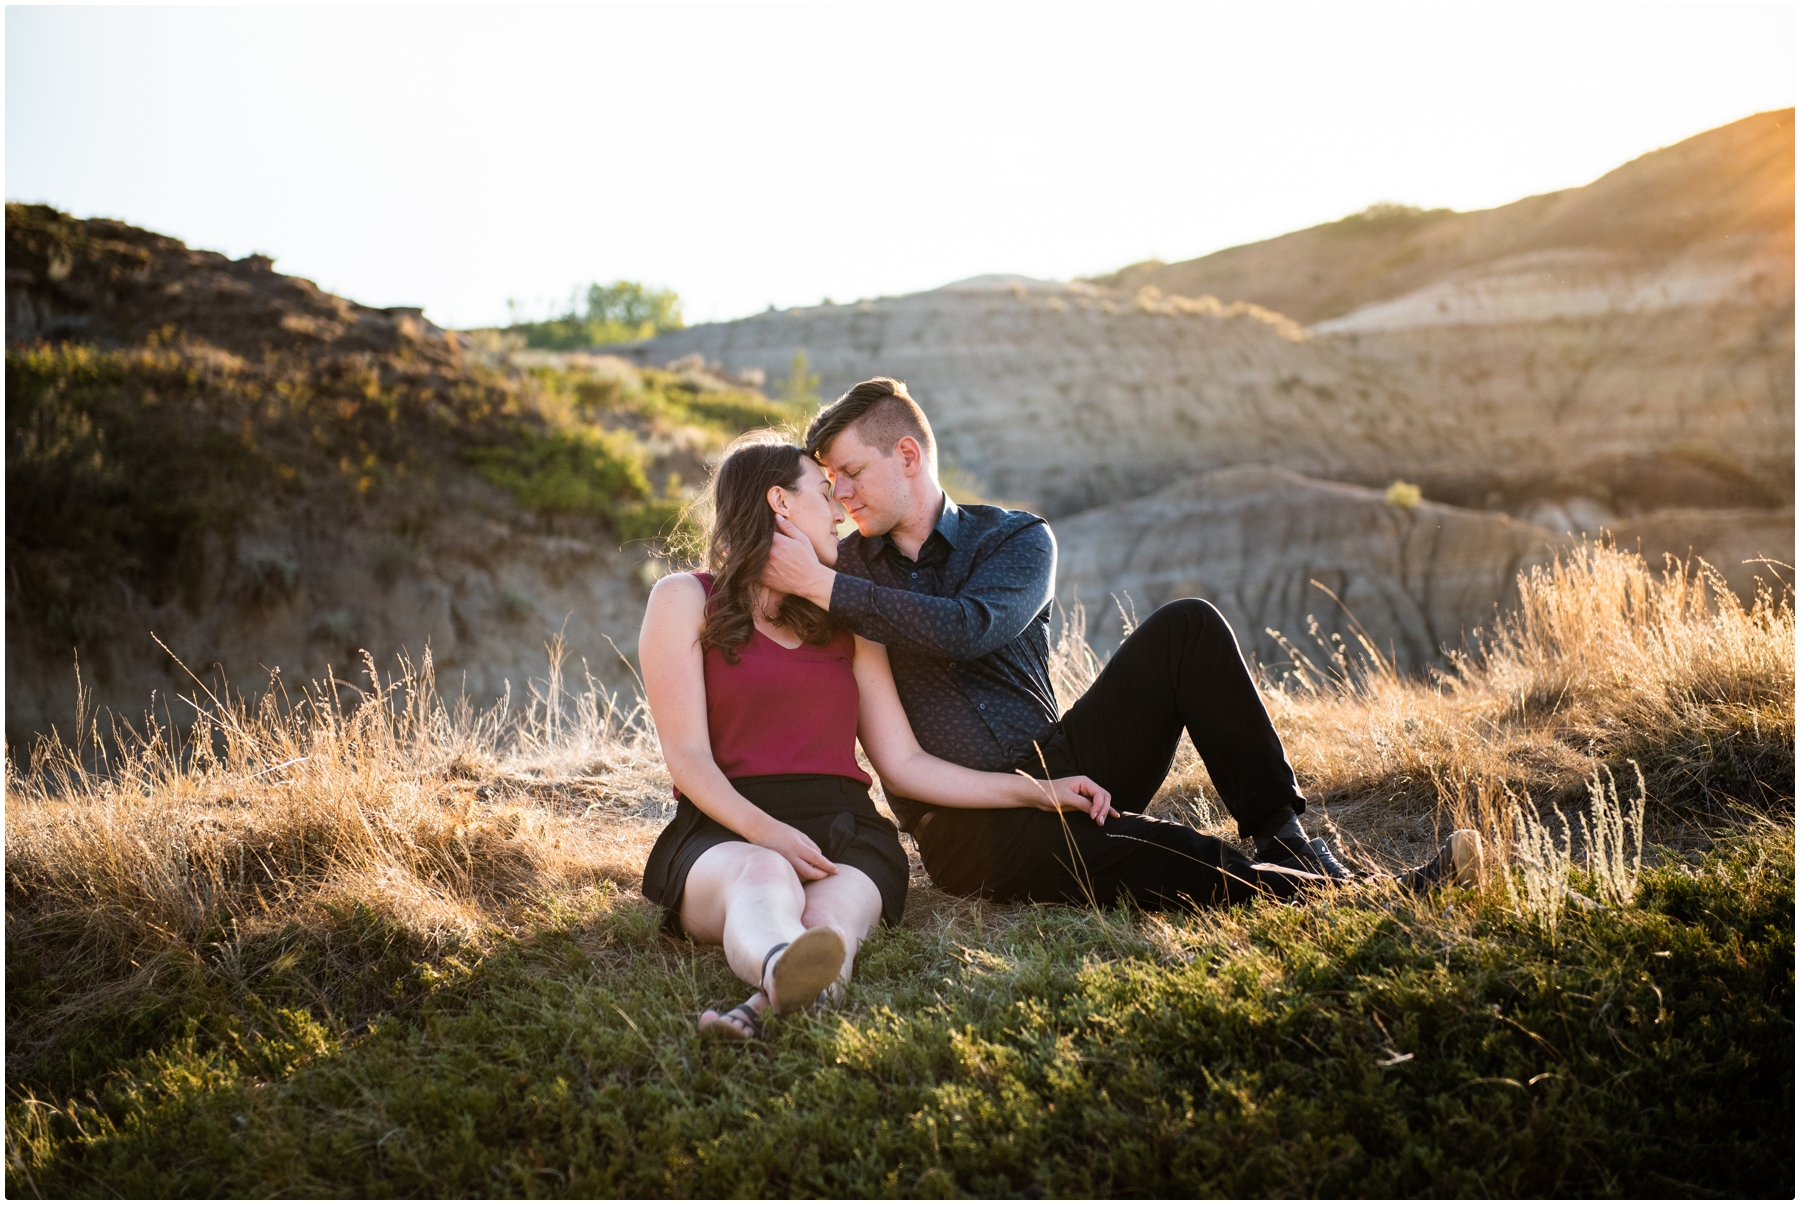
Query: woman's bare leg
x=847, y=901
x=747, y=899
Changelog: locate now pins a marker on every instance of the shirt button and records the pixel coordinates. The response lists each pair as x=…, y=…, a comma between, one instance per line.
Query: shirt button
x=982, y=706
x=915, y=575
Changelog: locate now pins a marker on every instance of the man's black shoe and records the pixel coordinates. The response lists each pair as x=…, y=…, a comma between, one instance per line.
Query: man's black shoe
x=1458, y=864
x=1313, y=856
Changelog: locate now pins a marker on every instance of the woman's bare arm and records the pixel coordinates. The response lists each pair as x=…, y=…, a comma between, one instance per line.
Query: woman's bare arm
x=906, y=769
x=675, y=680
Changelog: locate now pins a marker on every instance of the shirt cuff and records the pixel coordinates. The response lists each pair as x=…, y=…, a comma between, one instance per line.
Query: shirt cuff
x=852, y=597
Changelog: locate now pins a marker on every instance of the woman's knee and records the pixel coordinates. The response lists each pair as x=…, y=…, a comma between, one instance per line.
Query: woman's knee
x=761, y=867
x=849, y=901
x=738, y=866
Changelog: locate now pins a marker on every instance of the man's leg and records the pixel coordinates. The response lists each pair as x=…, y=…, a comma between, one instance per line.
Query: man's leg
x=1021, y=855
x=1181, y=669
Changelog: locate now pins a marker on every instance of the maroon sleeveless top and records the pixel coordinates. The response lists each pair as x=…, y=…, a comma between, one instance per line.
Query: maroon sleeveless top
x=782, y=710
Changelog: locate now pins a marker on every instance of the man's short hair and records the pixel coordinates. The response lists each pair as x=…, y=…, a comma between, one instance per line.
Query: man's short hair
x=883, y=413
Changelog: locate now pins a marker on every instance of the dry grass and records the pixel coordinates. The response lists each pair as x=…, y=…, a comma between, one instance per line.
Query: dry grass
x=134, y=853
x=1606, y=661
x=137, y=851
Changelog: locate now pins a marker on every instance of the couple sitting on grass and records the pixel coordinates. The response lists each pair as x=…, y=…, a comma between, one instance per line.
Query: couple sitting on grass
x=926, y=635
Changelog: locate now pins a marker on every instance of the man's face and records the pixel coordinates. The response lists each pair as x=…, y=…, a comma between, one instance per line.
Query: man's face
x=872, y=487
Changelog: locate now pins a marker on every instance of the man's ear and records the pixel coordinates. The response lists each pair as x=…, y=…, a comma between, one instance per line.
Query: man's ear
x=912, y=457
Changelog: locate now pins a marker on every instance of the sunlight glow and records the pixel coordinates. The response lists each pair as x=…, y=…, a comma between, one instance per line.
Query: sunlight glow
x=747, y=157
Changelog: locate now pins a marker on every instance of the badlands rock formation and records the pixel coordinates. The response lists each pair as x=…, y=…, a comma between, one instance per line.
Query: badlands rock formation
x=1066, y=398
x=482, y=593
x=1271, y=548
x=1618, y=356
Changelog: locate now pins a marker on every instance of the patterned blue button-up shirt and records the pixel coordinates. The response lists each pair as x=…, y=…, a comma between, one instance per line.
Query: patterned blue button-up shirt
x=967, y=627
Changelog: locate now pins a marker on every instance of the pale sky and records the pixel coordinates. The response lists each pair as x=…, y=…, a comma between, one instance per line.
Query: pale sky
x=747, y=156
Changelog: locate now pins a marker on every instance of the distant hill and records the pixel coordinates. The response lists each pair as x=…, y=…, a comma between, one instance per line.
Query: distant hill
x=1732, y=185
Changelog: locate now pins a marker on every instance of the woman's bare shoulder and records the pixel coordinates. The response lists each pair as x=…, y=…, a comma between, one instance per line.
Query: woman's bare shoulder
x=678, y=593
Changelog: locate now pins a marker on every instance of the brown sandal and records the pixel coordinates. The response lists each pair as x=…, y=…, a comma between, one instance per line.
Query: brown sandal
x=808, y=965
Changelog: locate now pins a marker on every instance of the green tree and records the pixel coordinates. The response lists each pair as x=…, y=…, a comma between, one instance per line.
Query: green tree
x=616, y=313
x=801, y=387
x=630, y=304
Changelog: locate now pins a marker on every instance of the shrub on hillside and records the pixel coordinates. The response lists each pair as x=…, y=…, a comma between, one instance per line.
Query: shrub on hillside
x=577, y=471
x=124, y=465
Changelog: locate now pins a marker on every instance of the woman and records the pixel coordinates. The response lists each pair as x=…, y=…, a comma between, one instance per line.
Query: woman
x=776, y=850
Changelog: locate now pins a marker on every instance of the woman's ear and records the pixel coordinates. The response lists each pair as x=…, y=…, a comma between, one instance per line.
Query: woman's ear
x=778, y=500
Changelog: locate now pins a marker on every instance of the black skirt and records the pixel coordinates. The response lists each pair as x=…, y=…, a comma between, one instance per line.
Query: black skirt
x=835, y=812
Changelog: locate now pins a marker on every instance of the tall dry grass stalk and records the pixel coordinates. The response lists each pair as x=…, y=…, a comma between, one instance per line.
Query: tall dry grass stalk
x=1612, y=841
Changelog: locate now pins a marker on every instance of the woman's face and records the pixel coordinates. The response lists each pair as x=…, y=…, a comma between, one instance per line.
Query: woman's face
x=810, y=508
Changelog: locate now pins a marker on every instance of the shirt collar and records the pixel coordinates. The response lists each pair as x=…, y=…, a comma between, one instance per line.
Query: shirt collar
x=949, y=525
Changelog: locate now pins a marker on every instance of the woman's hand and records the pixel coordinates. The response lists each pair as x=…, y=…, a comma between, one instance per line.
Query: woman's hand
x=1076, y=793
x=802, y=853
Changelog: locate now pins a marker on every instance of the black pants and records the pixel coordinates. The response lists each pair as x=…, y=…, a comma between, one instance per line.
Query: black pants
x=1180, y=670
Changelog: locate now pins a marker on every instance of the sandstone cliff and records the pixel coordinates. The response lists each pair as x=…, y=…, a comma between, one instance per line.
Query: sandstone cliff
x=1254, y=541
x=1272, y=548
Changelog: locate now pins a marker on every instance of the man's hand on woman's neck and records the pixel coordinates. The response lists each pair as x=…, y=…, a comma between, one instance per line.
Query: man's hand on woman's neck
x=794, y=568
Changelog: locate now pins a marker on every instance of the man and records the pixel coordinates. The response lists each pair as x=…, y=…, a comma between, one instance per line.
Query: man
x=961, y=596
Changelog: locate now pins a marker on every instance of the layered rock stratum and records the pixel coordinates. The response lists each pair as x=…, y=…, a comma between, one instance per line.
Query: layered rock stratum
x=1323, y=563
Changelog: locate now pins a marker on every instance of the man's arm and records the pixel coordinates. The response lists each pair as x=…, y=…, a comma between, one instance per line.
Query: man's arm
x=1006, y=591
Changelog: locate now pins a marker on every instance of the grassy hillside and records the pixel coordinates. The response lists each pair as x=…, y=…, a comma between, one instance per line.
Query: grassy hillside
x=395, y=948
x=1732, y=183
x=159, y=399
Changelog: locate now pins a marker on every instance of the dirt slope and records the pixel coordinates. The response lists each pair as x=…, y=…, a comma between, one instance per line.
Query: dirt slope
x=109, y=284
x=1730, y=189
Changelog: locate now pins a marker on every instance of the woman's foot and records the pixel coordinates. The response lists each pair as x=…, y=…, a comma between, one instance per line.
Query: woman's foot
x=794, y=973
x=740, y=1024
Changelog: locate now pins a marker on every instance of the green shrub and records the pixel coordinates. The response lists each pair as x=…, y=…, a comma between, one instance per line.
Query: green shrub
x=800, y=388
x=118, y=463
x=737, y=412
x=577, y=471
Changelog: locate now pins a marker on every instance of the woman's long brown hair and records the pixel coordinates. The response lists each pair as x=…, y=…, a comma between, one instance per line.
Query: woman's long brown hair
x=737, y=548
